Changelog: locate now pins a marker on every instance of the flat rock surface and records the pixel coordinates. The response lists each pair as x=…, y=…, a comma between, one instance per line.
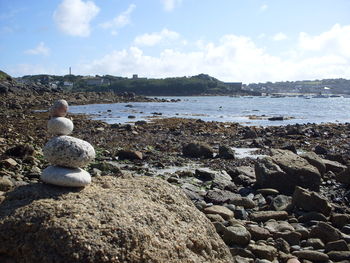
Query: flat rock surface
x=113, y=220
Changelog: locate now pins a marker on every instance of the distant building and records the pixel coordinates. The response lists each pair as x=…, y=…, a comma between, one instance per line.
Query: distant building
x=68, y=84
x=96, y=81
x=135, y=76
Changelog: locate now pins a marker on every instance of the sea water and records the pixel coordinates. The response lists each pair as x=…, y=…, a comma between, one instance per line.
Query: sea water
x=244, y=110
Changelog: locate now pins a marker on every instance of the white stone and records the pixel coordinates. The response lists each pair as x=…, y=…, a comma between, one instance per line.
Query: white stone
x=72, y=177
x=59, y=108
x=60, y=126
x=68, y=151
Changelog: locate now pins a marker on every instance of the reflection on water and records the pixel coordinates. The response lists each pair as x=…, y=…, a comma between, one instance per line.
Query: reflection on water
x=252, y=111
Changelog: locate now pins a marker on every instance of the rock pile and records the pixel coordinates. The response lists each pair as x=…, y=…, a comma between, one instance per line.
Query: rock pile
x=66, y=154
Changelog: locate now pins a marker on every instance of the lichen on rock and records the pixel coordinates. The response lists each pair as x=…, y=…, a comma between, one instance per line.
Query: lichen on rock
x=113, y=220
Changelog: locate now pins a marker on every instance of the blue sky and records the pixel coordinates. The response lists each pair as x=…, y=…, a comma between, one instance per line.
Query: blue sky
x=232, y=40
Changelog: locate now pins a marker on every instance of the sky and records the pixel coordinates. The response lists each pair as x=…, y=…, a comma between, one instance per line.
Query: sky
x=248, y=41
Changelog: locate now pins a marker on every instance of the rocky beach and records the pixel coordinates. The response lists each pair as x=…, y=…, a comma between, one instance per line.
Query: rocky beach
x=291, y=202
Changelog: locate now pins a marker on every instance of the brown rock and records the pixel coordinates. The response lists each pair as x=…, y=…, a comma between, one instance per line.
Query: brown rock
x=311, y=201
x=130, y=155
x=325, y=232
x=311, y=255
x=220, y=210
x=334, y=166
x=8, y=163
x=315, y=160
x=262, y=216
x=136, y=220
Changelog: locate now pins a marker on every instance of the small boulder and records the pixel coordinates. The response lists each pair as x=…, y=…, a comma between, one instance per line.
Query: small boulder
x=197, y=150
x=130, y=155
x=325, y=232
x=21, y=151
x=226, y=152
x=236, y=235
x=311, y=201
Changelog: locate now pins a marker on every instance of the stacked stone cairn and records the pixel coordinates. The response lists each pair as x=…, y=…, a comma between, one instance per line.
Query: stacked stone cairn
x=66, y=154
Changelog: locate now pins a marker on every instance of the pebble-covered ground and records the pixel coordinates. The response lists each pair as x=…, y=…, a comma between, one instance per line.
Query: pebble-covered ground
x=258, y=217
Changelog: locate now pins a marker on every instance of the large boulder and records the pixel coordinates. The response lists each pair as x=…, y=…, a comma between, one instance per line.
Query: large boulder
x=285, y=170
x=112, y=220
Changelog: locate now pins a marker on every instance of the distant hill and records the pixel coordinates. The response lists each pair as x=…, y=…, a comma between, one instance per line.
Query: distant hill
x=201, y=84
x=324, y=86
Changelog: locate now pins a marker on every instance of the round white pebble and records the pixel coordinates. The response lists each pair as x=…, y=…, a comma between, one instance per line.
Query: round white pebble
x=60, y=126
x=70, y=177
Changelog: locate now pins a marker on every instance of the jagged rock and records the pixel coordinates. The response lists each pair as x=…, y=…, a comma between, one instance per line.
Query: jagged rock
x=5, y=184
x=292, y=237
x=68, y=151
x=226, y=152
x=60, y=126
x=310, y=216
x=113, y=220
x=62, y=176
x=130, y=155
x=8, y=163
x=281, y=203
x=315, y=243
x=259, y=233
x=263, y=251
x=236, y=235
x=197, y=150
x=311, y=201
x=339, y=245
x=315, y=160
x=320, y=150
x=325, y=232
x=334, y=167
x=21, y=151
x=344, y=176
x=299, y=171
x=338, y=256
x=340, y=220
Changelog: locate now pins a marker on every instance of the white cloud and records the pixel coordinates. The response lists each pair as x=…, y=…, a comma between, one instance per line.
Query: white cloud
x=263, y=7
x=40, y=49
x=279, y=36
x=153, y=39
x=170, y=5
x=336, y=40
x=119, y=21
x=73, y=17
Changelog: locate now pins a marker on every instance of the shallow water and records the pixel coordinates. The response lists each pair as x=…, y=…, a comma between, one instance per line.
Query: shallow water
x=244, y=110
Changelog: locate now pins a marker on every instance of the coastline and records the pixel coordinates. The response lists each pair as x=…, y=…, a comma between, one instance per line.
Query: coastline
x=161, y=146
